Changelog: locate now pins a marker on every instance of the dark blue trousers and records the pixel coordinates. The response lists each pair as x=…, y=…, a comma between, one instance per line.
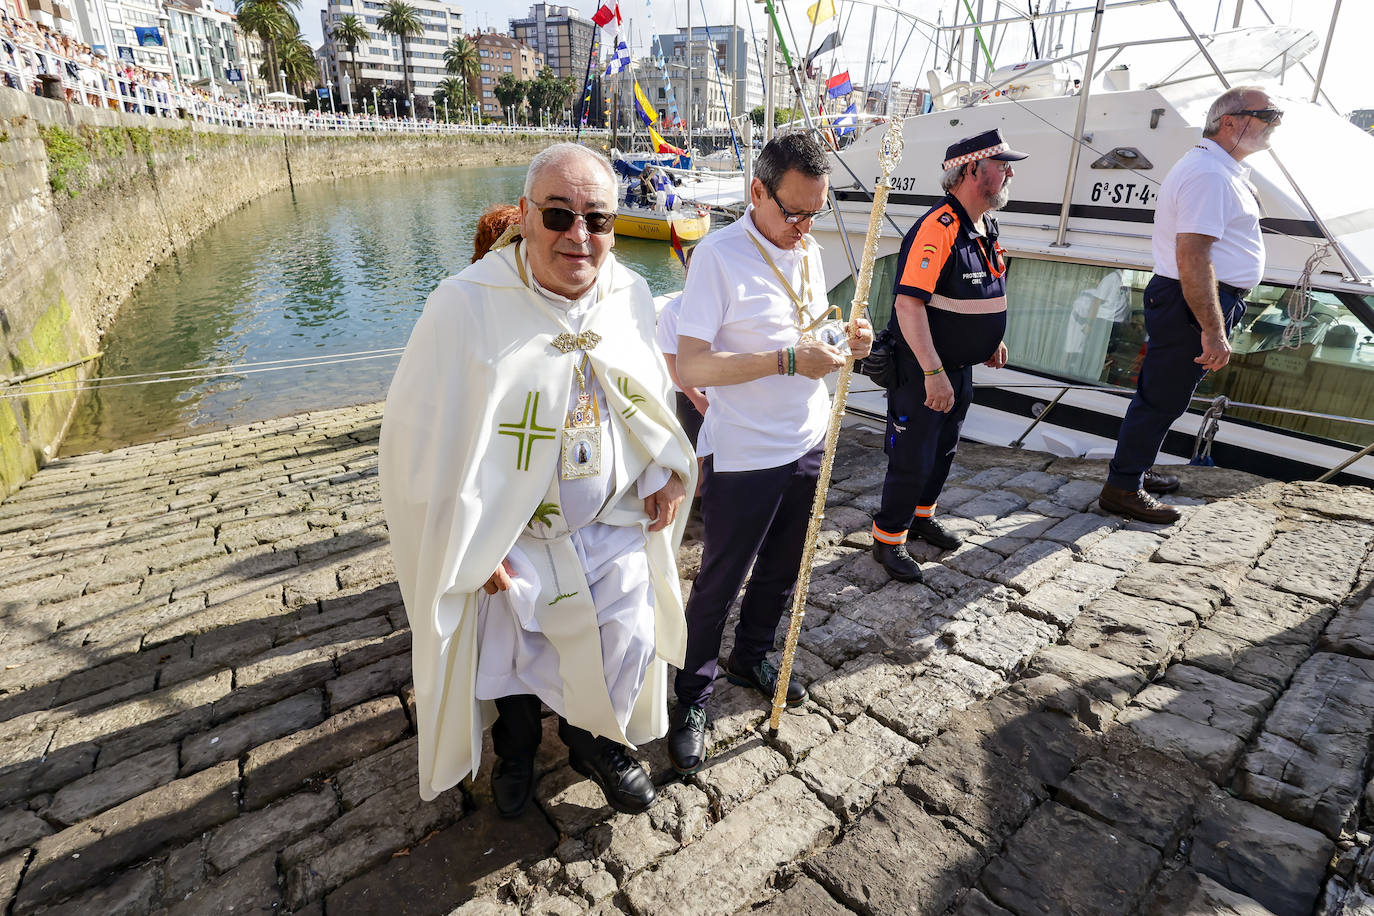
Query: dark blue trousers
x=920, y=448
x=757, y=517
x=1168, y=376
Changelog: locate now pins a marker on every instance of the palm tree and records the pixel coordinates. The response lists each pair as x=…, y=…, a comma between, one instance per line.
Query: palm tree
x=350, y=32
x=272, y=21
x=462, y=60
x=454, y=91
x=402, y=20
x=298, y=60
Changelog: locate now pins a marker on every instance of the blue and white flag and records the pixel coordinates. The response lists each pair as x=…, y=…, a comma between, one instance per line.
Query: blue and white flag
x=620, y=60
x=845, y=123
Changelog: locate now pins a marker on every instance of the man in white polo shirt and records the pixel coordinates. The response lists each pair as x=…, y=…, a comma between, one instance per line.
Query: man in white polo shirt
x=1208, y=254
x=749, y=313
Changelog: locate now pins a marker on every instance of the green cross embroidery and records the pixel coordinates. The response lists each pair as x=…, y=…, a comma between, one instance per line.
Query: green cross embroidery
x=623, y=383
x=526, y=431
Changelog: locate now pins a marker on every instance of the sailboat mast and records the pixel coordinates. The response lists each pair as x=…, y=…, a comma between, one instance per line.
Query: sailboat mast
x=768, y=77
x=1321, y=68
x=690, y=106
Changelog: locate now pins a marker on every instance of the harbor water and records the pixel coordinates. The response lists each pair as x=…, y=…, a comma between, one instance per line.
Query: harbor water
x=331, y=272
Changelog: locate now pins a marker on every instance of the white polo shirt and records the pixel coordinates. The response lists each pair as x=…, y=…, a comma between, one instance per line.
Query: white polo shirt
x=734, y=302
x=1209, y=193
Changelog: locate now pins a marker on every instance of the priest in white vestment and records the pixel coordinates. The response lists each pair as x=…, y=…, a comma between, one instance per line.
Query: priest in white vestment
x=531, y=471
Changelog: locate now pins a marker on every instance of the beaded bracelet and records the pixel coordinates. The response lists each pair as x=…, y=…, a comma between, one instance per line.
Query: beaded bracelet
x=791, y=361
x=782, y=367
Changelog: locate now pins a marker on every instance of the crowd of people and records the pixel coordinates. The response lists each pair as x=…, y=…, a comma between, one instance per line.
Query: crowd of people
x=43, y=61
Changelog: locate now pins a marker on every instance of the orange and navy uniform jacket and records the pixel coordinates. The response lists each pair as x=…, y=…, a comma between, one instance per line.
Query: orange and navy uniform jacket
x=961, y=277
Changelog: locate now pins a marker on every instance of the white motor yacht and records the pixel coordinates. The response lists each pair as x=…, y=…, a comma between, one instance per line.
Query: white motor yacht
x=1299, y=391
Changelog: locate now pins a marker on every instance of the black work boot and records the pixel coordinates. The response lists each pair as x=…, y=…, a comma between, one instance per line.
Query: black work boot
x=623, y=781
x=934, y=533
x=687, y=739
x=899, y=564
x=512, y=785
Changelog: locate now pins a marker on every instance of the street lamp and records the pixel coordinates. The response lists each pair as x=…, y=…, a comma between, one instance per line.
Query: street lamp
x=376, y=112
x=394, y=115
x=282, y=73
x=348, y=90
x=332, y=109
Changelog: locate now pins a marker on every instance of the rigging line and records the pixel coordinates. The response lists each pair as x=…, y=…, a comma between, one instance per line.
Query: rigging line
x=303, y=360
x=754, y=41
x=1109, y=389
x=90, y=385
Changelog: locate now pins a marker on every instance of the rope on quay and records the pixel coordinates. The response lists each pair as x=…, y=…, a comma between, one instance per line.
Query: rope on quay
x=200, y=373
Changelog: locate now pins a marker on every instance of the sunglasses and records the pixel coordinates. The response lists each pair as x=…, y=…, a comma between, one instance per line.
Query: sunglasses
x=1267, y=115
x=792, y=217
x=561, y=219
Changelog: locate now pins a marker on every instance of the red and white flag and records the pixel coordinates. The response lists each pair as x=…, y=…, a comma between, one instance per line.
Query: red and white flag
x=607, y=17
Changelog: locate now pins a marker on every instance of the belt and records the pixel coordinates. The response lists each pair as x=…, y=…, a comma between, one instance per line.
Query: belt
x=1233, y=290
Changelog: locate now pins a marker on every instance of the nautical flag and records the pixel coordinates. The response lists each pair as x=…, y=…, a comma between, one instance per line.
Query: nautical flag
x=828, y=43
x=839, y=85
x=661, y=145
x=607, y=16
x=819, y=12
x=620, y=60
x=676, y=242
x=844, y=124
x=643, y=108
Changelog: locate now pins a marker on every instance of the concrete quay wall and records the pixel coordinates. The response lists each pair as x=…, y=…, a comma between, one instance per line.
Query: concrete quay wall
x=92, y=200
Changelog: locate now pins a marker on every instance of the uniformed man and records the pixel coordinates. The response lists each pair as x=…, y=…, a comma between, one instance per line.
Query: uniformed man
x=951, y=310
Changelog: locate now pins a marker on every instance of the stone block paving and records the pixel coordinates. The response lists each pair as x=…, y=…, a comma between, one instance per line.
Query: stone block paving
x=205, y=707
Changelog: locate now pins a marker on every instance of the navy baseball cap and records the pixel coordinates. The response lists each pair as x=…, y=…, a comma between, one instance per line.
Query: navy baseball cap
x=987, y=145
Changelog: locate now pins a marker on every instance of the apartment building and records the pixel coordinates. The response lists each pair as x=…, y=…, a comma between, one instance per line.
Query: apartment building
x=500, y=54
x=380, y=58
x=562, y=37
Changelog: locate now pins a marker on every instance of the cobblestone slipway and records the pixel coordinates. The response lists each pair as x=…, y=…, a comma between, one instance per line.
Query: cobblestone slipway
x=205, y=708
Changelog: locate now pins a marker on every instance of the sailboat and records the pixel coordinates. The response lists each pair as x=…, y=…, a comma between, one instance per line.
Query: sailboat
x=1297, y=400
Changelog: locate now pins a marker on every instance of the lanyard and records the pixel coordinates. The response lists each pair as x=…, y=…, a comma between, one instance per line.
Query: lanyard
x=993, y=268
x=804, y=320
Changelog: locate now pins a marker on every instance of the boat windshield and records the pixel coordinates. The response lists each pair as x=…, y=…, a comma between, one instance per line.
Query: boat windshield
x=1084, y=324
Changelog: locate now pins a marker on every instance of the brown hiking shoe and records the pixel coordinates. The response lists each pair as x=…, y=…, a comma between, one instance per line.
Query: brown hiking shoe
x=1158, y=483
x=1136, y=504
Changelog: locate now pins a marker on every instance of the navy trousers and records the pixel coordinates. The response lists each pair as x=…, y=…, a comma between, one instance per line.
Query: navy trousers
x=1168, y=377
x=920, y=447
x=757, y=517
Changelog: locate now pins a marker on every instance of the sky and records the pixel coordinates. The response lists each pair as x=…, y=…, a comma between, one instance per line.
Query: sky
x=1346, y=80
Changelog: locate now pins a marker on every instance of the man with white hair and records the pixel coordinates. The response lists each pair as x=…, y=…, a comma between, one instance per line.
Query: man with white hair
x=531, y=470
x=1208, y=254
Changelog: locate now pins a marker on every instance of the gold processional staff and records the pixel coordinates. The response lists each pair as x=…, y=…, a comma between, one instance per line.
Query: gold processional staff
x=888, y=158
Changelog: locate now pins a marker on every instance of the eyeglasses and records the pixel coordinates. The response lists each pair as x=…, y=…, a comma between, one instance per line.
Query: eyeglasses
x=792, y=217
x=997, y=164
x=1267, y=115
x=561, y=219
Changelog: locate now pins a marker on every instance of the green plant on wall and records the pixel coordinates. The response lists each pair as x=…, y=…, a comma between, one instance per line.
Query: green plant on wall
x=67, y=160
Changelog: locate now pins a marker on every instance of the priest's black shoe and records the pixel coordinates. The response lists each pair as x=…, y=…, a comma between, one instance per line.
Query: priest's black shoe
x=687, y=739
x=623, y=781
x=763, y=677
x=899, y=564
x=512, y=785
x=932, y=532
x=1157, y=483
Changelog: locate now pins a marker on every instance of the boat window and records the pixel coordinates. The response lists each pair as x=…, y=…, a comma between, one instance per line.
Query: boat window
x=1087, y=324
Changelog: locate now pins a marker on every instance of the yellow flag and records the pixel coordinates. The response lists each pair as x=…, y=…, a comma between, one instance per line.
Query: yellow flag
x=821, y=11
x=647, y=113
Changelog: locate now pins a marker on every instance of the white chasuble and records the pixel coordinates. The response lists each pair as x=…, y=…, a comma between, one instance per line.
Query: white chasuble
x=469, y=465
